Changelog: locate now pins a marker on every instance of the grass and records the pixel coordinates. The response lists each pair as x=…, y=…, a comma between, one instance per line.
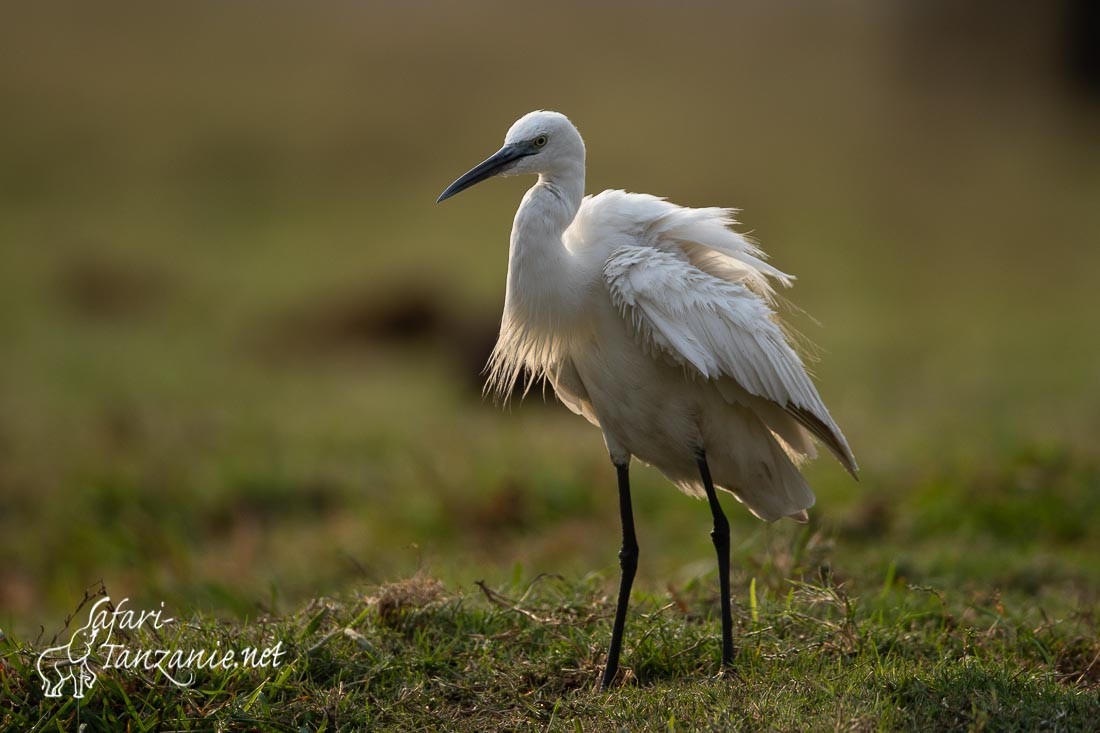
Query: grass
x=910, y=615
x=415, y=655
x=241, y=356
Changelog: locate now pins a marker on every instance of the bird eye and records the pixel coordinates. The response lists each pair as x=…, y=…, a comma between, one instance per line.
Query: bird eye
x=540, y=141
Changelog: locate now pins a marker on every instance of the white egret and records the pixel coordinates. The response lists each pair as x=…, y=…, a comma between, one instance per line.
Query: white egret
x=656, y=323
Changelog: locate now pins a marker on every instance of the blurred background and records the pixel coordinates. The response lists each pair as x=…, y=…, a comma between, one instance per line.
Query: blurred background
x=241, y=345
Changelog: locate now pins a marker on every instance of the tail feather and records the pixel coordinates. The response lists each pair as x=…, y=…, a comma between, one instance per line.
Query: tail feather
x=755, y=467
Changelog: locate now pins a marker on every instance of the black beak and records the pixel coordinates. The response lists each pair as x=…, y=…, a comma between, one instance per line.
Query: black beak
x=498, y=162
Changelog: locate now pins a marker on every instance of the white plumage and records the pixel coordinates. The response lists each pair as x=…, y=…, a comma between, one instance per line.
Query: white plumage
x=657, y=324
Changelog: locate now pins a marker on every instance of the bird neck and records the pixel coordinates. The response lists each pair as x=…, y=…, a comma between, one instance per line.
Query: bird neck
x=540, y=268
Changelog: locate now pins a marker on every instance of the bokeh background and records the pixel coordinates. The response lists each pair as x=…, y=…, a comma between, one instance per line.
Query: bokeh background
x=240, y=345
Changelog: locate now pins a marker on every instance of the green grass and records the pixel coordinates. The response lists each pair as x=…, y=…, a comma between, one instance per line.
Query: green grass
x=910, y=614
x=417, y=656
x=212, y=217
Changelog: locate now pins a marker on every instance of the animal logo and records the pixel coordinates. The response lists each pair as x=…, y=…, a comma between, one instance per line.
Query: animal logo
x=69, y=663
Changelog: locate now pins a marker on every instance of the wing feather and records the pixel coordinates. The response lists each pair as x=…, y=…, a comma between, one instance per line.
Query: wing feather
x=719, y=327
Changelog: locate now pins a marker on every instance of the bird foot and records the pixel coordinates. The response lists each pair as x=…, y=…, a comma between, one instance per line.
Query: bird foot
x=729, y=673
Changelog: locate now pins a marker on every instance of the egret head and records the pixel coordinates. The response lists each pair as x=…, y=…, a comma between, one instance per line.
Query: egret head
x=540, y=142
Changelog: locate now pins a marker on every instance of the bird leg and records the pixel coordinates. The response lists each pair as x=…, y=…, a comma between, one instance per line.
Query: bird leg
x=720, y=535
x=628, y=561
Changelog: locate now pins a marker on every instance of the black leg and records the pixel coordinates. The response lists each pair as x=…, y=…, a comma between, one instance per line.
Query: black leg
x=628, y=561
x=720, y=535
